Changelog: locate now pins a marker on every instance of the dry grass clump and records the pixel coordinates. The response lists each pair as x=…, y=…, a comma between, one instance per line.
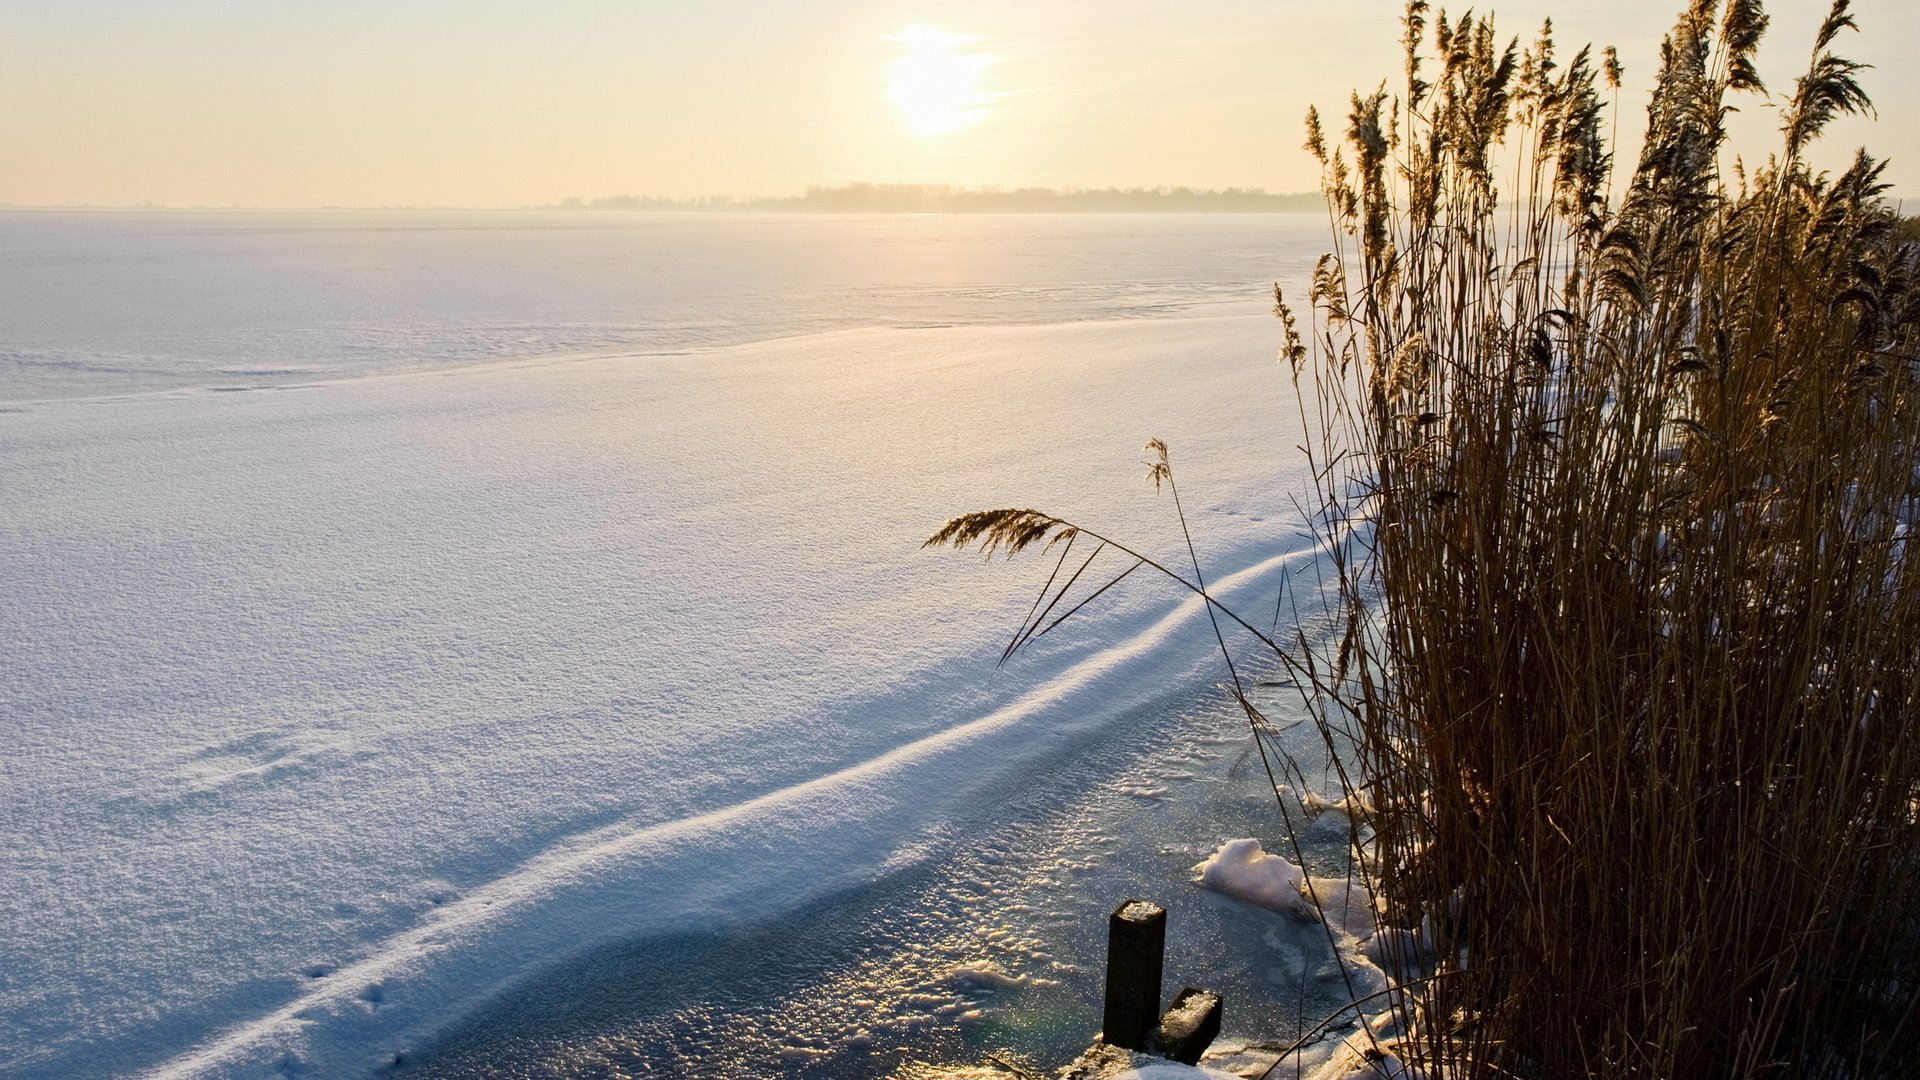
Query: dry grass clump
x=1633, y=651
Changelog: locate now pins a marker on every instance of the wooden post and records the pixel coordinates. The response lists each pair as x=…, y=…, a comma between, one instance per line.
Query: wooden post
x=1190, y=1026
x=1136, y=945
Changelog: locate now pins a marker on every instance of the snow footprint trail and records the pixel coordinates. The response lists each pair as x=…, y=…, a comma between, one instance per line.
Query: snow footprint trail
x=755, y=857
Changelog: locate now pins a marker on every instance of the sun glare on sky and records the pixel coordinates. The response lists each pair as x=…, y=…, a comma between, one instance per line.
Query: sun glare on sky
x=935, y=82
x=243, y=103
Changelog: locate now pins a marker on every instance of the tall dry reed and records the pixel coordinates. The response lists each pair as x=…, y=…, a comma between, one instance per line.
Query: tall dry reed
x=1634, y=629
x=1619, y=488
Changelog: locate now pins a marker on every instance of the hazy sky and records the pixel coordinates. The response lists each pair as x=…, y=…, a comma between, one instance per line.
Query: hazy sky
x=477, y=102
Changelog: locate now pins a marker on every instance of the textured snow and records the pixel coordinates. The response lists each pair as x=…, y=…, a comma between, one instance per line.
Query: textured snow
x=335, y=708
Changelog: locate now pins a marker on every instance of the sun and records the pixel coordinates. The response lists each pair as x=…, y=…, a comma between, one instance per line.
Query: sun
x=935, y=82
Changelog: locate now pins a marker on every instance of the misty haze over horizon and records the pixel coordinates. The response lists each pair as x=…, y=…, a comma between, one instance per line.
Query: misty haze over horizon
x=859, y=197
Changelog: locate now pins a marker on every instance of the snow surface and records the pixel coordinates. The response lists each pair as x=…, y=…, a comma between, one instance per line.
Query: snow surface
x=336, y=708
x=1172, y=1070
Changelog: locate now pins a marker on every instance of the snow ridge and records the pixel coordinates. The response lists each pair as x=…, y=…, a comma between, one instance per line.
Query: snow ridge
x=762, y=854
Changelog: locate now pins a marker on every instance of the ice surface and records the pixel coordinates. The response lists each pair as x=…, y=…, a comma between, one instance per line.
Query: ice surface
x=106, y=302
x=333, y=709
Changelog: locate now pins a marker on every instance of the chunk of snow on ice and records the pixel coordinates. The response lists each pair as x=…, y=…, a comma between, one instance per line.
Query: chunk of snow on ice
x=1352, y=1063
x=1345, y=904
x=1351, y=804
x=1240, y=869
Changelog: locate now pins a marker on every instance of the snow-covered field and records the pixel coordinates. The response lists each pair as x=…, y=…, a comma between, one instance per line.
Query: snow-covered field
x=347, y=686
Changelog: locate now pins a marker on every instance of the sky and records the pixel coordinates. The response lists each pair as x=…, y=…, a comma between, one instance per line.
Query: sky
x=301, y=103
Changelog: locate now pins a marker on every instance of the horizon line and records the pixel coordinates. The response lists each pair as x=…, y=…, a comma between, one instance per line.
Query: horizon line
x=858, y=196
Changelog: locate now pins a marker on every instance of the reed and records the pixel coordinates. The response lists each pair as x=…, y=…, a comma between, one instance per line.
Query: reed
x=1631, y=666
x=1616, y=476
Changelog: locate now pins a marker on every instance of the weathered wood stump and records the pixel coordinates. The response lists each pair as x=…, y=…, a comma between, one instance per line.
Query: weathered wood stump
x=1136, y=946
x=1190, y=1025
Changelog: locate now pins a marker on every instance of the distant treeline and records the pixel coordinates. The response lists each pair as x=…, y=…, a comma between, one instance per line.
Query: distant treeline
x=941, y=199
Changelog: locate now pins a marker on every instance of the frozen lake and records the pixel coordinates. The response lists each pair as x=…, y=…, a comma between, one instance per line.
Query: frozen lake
x=413, y=619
